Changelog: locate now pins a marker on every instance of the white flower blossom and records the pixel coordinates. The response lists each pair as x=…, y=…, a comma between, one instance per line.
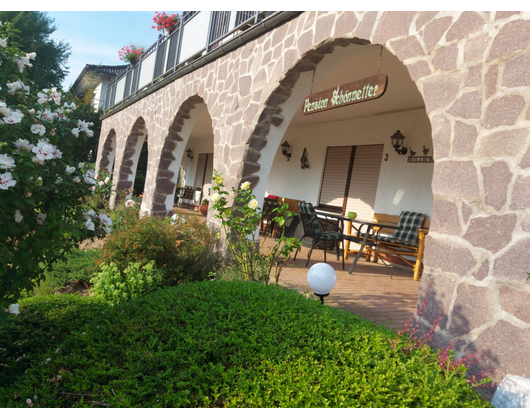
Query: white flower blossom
x=23, y=144
x=106, y=220
x=89, y=225
x=107, y=179
x=38, y=129
x=253, y=204
x=81, y=165
x=45, y=115
x=76, y=179
x=129, y=204
x=6, y=162
x=43, y=97
x=3, y=43
x=43, y=151
x=40, y=218
x=14, y=309
x=18, y=216
x=4, y=110
x=91, y=213
x=6, y=181
x=18, y=85
x=245, y=186
x=58, y=180
x=107, y=230
x=89, y=133
x=56, y=95
x=14, y=117
x=215, y=197
x=31, y=56
x=70, y=169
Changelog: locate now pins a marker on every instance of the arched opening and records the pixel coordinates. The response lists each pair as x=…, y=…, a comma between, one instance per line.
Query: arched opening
x=131, y=157
x=185, y=169
x=109, y=152
x=342, y=159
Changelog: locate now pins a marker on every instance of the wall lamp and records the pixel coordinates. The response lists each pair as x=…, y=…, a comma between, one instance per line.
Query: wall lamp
x=285, y=149
x=189, y=153
x=397, y=141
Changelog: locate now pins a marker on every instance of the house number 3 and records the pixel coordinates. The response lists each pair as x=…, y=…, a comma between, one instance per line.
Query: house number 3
x=386, y=157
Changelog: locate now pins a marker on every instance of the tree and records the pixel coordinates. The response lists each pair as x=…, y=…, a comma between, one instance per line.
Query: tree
x=43, y=211
x=35, y=31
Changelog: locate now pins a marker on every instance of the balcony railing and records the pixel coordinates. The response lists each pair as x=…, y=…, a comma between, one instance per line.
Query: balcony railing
x=195, y=35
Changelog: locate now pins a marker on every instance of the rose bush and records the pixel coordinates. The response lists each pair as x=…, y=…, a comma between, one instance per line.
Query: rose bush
x=42, y=192
x=250, y=257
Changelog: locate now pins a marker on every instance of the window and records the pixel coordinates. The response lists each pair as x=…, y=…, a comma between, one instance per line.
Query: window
x=351, y=174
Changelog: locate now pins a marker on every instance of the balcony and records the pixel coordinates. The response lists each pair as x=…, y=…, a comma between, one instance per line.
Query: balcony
x=197, y=35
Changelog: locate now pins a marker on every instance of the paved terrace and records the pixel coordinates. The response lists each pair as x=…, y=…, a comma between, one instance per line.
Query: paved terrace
x=368, y=291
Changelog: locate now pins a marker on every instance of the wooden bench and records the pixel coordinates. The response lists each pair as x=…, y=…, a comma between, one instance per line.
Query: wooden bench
x=396, y=251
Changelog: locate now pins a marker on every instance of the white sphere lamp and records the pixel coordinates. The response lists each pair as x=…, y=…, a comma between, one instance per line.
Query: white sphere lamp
x=321, y=278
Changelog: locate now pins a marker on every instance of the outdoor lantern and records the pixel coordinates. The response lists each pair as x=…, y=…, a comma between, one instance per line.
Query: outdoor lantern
x=189, y=153
x=397, y=142
x=321, y=278
x=285, y=149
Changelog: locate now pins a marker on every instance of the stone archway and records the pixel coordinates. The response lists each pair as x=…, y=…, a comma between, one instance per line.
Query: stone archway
x=109, y=152
x=136, y=138
x=167, y=173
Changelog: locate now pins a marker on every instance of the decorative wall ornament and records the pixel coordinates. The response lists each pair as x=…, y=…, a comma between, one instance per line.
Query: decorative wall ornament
x=189, y=153
x=304, y=161
x=420, y=159
x=285, y=150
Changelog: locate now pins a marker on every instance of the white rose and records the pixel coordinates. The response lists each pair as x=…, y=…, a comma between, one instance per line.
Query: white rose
x=215, y=197
x=253, y=204
x=245, y=186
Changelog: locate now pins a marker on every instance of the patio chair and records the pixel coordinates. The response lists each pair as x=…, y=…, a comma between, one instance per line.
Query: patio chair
x=407, y=242
x=313, y=228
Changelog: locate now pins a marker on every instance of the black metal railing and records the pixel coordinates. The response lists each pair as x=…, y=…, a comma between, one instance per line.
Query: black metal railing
x=168, y=47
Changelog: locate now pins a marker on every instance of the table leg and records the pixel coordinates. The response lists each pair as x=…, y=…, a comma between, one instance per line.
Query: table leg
x=363, y=244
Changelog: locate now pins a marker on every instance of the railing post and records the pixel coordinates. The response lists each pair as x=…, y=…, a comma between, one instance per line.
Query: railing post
x=213, y=17
x=156, y=57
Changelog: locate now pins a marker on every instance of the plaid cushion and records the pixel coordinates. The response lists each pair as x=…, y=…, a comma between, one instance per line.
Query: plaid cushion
x=309, y=219
x=411, y=223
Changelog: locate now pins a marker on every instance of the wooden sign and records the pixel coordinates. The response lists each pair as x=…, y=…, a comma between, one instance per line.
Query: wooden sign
x=351, y=93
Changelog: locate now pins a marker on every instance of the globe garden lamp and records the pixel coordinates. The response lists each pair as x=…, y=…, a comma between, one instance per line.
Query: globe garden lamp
x=321, y=278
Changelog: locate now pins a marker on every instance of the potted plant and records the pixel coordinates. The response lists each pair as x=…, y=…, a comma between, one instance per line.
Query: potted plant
x=203, y=208
x=130, y=54
x=164, y=22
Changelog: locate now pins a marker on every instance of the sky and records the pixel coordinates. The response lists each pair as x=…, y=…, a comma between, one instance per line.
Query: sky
x=96, y=37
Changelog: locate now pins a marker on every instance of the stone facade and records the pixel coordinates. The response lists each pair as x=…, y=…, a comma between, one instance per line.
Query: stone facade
x=473, y=71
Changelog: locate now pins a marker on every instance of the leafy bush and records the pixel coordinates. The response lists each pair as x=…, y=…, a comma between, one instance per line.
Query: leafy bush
x=41, y=186
x=184, y=250
x=214, y=344
x=79, y=265
x=136, y=280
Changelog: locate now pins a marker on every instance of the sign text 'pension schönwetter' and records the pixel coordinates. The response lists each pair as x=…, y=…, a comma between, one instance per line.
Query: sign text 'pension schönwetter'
x=351, y=93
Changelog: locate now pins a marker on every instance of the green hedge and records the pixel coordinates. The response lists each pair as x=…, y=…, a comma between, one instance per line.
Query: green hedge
x=213, y=344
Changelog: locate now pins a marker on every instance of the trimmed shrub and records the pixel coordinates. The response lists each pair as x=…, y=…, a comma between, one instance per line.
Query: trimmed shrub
x=112, y=286
x=183, y=250
x=78, y=265
x=214, y=344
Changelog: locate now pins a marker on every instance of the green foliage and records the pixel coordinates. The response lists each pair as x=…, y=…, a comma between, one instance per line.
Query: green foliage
x=35, y=34
x=184, y=250
x=137, y=280
x=214, y=344
x=240, y=220
x=124, y=217
x=78, y=265
x=41, y=204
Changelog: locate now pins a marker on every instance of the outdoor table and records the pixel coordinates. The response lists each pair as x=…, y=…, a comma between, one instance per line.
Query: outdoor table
x=360, y=238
